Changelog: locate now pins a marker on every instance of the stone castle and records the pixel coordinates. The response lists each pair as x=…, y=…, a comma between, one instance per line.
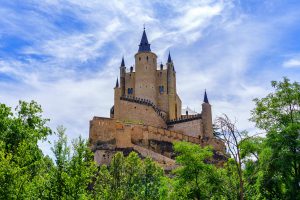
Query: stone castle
x=147, y=115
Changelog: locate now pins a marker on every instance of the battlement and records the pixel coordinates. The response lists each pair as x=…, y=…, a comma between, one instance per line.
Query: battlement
x=109, y=135
x=184, y=119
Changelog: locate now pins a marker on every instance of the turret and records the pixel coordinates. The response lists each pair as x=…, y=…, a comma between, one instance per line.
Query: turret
x=122, y=76
x=207, y=117
x=145, y=71
x=117, y=96
x=171, y=88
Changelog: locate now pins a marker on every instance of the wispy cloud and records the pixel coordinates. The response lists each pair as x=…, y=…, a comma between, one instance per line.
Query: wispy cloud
x=292, y=63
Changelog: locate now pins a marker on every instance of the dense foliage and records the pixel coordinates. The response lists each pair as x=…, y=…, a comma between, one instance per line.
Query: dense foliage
x=258, y=167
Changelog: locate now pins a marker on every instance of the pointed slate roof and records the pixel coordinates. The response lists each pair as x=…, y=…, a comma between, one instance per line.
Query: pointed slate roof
x=123, y=63
x=144, y=44
x=205, y=97
x=117, y=83
x=169, y=58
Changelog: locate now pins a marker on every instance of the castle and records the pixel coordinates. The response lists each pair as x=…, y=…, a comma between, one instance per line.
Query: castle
x=147, y=114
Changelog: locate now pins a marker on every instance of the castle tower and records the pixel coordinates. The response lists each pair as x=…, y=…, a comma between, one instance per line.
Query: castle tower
x=117, y=96
x=122, y=76
x=207, y=117
x=171, y=89
x=145, y=71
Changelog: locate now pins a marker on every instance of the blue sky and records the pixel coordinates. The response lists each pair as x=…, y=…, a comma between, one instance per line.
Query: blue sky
x=65, y=54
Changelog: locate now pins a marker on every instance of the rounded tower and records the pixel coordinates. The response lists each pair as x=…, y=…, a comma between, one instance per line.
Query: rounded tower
x=171, y=89
x=145, y=71
x=207, y=118
x=122, y=76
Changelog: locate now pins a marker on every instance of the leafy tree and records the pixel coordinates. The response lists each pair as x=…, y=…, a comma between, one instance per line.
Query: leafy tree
x=72, y=174
x=279, y=115
x=23, y=164
x=81, y=170
x=130, y=178
x=195, y=177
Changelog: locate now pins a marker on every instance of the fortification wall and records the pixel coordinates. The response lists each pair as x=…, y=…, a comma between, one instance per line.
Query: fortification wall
x=162, y=97
x=178, y=103
x=108, y=136
x=130, y=82
x=192, y=128
x=140, y=114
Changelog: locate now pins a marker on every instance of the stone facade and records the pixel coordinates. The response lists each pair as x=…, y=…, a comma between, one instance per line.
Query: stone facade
x=146, y=116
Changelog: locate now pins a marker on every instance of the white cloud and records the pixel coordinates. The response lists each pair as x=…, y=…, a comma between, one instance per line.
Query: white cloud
x=292, y=63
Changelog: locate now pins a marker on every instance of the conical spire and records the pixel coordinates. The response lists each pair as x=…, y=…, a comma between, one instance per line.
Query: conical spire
x=123, y=63
x=117, y=83
x=169, y=58
x=205, y=97
x=144, y=45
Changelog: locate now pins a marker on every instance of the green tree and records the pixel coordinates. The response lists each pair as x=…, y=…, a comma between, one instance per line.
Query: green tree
x=196, y=178
x=81, y=170
x=59, y=176
x=279, y=115
x=73, y=173
x=130, y=178
x=23, y=166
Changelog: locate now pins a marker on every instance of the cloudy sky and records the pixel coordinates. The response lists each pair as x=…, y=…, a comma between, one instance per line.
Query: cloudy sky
x=65, y=54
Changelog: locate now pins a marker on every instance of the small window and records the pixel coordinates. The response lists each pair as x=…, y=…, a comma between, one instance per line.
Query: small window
x=139, y=58
x=130, y=90
x=161, y=89
x=147, y=58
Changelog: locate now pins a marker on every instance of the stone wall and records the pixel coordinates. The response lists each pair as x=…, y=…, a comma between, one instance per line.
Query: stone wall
x=108, y=136
x=192, y=128
x=140, y=114
x=162, y=98
x=130, y=82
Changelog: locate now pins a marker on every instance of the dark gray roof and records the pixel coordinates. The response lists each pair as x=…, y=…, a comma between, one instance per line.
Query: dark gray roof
x=123, y=63
x=144, y=45
x=117, y=83
x=169, y=58
x=205, y=97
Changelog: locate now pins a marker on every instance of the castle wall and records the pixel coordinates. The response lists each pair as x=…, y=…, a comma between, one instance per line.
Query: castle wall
x=104, y=130
x=140, y=114
x=130, y=82
x=145, y=76
x=192, y=128
x=178, y=103
x=162, y=98
x=108, y=136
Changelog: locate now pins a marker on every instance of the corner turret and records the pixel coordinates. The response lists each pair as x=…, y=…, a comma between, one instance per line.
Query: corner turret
x=122, y=76
x=207, y=117
x=174, y=112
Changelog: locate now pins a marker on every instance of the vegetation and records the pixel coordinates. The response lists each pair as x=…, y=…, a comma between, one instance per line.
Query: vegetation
x=258, y=167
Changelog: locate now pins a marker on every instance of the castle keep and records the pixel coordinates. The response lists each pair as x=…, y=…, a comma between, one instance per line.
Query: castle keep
x=147, y=115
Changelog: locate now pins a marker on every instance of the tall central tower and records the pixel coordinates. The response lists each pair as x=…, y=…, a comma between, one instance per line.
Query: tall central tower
x=145, y=70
